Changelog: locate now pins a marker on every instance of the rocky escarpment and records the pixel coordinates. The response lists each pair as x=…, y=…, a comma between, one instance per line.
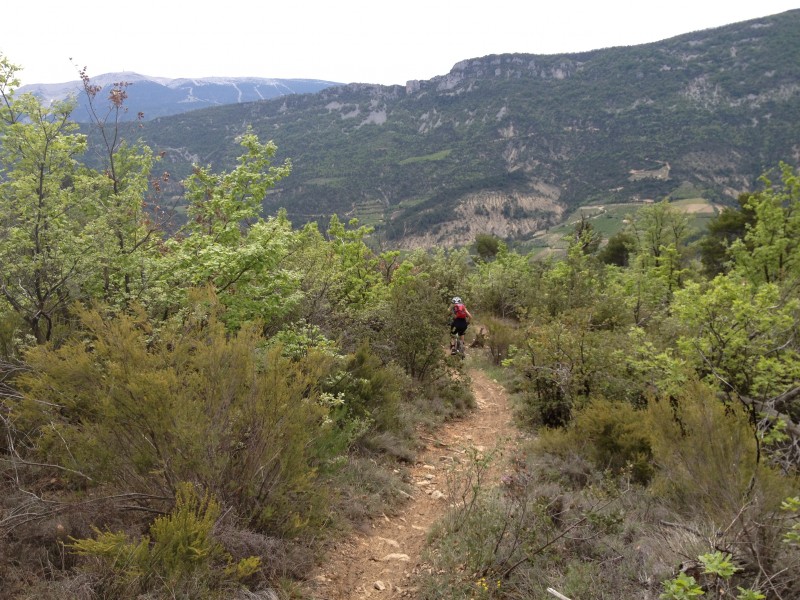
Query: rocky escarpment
x=513, y=215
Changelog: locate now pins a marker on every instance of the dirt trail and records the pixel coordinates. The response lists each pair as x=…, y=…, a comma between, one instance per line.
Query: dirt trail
x=382, y=564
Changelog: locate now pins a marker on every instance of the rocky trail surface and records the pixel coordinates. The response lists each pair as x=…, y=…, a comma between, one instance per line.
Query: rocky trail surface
x=383, y=563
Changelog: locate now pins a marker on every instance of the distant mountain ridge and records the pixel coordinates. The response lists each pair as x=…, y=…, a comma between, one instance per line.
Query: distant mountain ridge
x=506, y=144
x=510, y=144
x=161, y=96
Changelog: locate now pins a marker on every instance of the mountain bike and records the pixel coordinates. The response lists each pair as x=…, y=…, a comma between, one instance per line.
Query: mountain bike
x=457, y=346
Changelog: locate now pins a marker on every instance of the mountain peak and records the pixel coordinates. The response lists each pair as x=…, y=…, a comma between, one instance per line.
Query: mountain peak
x=162, y=96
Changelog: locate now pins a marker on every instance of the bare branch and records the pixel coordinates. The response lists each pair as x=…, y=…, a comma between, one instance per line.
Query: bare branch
x=38, y=508
x=766, y=407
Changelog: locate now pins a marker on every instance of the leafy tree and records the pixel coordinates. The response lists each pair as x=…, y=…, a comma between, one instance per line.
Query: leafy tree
x=661, y=232
x=741, y=336
x=570, y=283
x=574, y=334
x=45, y=203
x=358, y=283
x=448, y=270
x=487, y=246
x=416, y=321
x=618, y=249
x=657, y=234
x=129, y=222
x=770, y=250
x=227, y=244
x=73, y=233
x=724, y=229
x=740, y=330
x=502, y=287
x=342, y=283
x=220, y=205
x=584, y=234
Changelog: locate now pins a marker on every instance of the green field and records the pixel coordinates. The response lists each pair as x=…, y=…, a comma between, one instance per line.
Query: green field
x=608, y=219
x=441, y=155
x=369, y=212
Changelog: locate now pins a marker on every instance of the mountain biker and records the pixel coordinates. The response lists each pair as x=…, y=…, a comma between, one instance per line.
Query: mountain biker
x=460, y=320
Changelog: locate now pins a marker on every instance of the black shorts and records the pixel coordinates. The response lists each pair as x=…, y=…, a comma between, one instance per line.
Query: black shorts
x=458, y=326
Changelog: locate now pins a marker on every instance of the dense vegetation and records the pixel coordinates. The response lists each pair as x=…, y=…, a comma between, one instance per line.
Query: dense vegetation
x=663, y=381
x=192, y=415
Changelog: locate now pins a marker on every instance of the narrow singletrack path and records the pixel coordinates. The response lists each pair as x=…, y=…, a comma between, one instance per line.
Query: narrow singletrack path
x=383, y=563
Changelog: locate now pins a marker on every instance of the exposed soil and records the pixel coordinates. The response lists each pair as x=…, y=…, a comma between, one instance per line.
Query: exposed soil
x=489, y=212
x=701, y=208
x=384, y=562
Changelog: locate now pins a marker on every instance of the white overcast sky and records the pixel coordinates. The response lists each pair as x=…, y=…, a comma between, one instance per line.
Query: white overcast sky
x=345, y=41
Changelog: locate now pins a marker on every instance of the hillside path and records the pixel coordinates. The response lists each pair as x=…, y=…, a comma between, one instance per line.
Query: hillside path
x=382, y=563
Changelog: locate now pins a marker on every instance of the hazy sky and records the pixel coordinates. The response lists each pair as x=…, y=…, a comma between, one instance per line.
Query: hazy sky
x=343, y=41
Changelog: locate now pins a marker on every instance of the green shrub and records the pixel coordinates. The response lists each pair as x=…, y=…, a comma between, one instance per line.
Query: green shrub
x=544, y=402
x=296, y=339
x=716, y=572
x=709, y=471
x=615, y=436
x=372, y=390
x=567, y=361
x=513, y=540
x=182, y=539
x=416, y=324
x=706, y=456
x=791, y=506
x=179, y=551
x=13, y=334
x=502, y=336
x=142, y=410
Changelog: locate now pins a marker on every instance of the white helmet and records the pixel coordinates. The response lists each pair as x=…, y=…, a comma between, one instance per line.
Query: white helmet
x=456, y=300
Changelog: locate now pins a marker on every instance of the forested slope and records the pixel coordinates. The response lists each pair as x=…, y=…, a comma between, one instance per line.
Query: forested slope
x=509, y=144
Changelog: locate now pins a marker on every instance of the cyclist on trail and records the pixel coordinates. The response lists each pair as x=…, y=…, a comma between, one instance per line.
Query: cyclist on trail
x=458, y=325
